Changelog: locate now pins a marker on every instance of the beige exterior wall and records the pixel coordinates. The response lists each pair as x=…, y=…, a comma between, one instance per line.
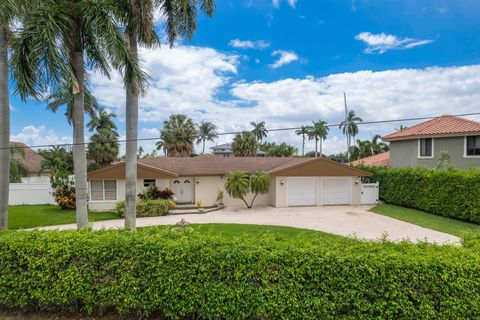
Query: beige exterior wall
x=206, y=190
x=356, y=190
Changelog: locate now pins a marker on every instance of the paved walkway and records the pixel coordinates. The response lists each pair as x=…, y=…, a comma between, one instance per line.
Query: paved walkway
x=342, y=220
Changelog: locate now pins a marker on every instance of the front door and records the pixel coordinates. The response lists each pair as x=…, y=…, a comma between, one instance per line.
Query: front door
x=182, y=188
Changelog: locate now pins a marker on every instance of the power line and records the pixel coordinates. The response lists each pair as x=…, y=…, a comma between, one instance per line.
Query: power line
x=237, y=132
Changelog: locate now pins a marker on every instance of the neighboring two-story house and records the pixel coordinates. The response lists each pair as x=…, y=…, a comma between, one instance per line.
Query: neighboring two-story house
x=422, y=145
x=225, y=150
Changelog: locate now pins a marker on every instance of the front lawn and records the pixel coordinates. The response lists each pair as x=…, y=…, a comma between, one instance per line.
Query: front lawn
x=427, y=220
x=31, y=216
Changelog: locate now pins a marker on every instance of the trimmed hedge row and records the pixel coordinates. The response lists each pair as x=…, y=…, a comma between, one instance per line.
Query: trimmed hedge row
x=452, y=193
x=200, y=276
x=147, y=208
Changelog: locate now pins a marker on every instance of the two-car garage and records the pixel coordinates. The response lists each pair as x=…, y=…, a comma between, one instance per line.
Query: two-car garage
x=311, y=191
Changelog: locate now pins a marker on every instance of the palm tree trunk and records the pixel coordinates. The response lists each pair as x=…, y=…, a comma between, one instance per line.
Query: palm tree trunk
x=316, y=148
x=4, y=130
x=79, y=154
x=321, y=147
x=131, y=145
x=303, y=145
x=203, y=150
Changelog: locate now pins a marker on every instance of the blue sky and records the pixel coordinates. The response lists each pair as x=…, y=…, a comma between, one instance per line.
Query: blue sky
x=287, y=63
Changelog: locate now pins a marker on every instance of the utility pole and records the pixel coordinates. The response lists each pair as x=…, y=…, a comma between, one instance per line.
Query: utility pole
x=348, y=126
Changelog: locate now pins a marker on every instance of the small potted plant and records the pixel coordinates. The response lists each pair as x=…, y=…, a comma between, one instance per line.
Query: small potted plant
x=199, y=203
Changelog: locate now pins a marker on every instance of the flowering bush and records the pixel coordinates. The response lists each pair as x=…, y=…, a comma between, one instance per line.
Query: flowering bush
x=65, y=197
x=153, y=193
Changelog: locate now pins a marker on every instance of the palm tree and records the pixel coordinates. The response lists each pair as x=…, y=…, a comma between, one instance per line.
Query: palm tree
x=103, y=147
x=377, y=145
x=303, y=131
x=10, y=9
x=178, y=135
x=318, y=132
x=138, y=18
x=18, y=170
x=206, y=131
x=63, y=96
x=244, y=145
x=46, y=54
x=349, y=127
x=259, y=130
x=238, y=185
x=59, y=163
x=160, y=145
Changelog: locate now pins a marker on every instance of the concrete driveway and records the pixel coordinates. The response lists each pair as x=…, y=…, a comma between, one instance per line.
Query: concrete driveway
x=342, y=220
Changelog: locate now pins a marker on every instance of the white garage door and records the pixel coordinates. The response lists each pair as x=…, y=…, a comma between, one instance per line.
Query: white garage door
x=336, y=191
x=302, y=191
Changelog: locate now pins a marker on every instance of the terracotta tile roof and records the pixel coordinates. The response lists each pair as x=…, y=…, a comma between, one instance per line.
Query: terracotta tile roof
x=214, y=165
x=378, y=160
x=442, y=126
x=30, y=159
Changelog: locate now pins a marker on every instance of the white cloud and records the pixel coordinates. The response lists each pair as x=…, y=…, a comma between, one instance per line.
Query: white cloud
x=291, y=3
x=39, y=135
x=382, y=42
x=284, y=58
x=249, y=44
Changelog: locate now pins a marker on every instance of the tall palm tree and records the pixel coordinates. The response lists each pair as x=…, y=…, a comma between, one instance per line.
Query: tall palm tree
x=259, y=131
x=103, y=147
x=63, y=96
x=178, y=135
x=206, y=131
x=303, y=131
x=349, y=127
x=318, y=132
x=10, y=9
x=138, y=18
x=244, y=145
x=46, y=54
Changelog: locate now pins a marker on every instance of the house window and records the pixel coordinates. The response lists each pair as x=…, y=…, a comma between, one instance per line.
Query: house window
x=103, y=190
x=425, y=147
x=147, y=183
x=473, y=146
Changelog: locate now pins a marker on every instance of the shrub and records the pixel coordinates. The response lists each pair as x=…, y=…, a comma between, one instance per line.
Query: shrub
x=452, y=193
x=147, y=208
x=154, y=271
x=153, y=193
x=65, y=197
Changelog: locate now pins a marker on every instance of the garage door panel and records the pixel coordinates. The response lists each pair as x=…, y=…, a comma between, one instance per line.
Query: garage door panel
x=337, y=191
x=302, y=191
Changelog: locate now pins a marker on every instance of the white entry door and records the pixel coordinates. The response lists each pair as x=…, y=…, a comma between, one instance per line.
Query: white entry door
x=336, y=190
x=182, y=188
x=302, y=191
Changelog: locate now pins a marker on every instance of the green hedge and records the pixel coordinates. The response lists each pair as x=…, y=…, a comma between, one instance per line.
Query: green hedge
x=147, y=208
x=452, y=193
x=157, y=272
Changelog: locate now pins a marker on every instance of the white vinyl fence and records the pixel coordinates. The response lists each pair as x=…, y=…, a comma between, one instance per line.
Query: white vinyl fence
x=370, y=193
x=33, y=190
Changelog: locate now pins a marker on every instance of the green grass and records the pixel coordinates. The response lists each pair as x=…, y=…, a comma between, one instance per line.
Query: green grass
x=22, y=217
x=427, y=220
x=281, y=234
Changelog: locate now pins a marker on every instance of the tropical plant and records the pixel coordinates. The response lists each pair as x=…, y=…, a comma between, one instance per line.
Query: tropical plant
x=58, y=162
x=18, y=170
x=259, y=130
x=444, y=162
x=153, y=193
x=367, y=148
x=238, y=185
x=244, y=145
x=65, y=197
x=206, y=131
x=160, y=146
x=278, y=150
x=178, y=135
x=103, y=147
x=219, y=197
x=9, y=10
x=58, y=41
x=138, y=18
x=350, y=128
x=303, y=131
x=318, y=132
x=64, y=97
